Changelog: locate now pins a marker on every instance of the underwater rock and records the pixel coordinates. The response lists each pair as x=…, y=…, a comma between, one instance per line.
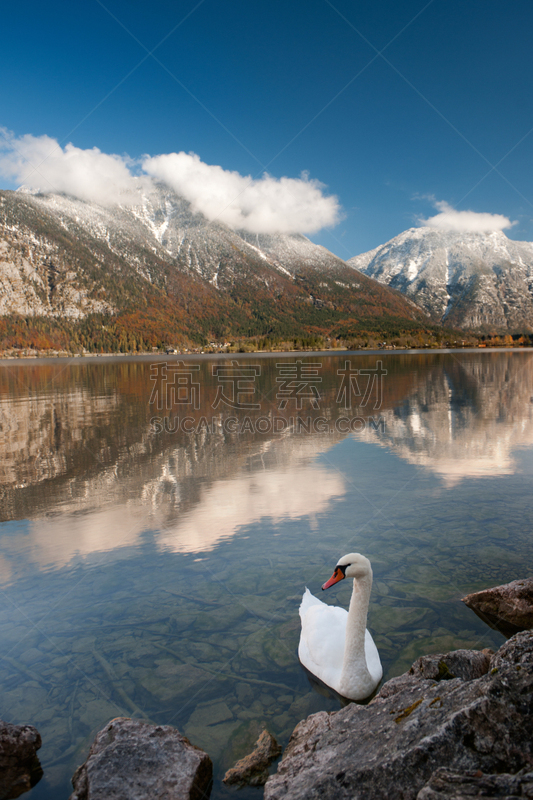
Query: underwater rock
x=214, y=739
x=508, y=607
x=445, y=784
x=209, y=714
x=391, y=747
x=252, y=770
x=134, y=760
x=19, y=765
x=245, y=695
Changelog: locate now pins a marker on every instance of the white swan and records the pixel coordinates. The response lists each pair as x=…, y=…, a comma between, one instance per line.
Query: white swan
x=334, y=644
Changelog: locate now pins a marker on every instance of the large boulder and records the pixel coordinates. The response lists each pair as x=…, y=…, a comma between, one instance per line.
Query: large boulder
x=19, y=765
x=464, y=664
x=508, y=607
x=391, y=747
x=134, y=760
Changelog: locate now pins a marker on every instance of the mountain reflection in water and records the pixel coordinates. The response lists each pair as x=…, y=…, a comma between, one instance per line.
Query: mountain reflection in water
x=466, y=417
x=82, y=460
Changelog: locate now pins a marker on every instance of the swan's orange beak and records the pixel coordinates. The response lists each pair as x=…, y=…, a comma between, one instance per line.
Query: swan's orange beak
x=337, y=576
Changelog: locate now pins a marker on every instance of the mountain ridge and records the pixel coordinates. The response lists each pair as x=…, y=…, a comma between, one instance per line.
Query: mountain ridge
x=66, y=259
x=468, y=280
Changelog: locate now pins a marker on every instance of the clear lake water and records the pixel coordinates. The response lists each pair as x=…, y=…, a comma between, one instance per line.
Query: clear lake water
x=160, y=519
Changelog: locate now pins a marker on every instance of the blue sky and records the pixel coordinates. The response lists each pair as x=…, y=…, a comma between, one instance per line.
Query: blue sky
x=393, y=106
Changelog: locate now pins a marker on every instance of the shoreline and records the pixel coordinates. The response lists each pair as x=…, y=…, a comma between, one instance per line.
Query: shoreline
x=123, y=357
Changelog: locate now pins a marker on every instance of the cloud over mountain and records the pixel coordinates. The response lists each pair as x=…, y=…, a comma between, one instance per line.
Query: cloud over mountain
x=449, y=219
x=258, y=205
x=264, y=205
x=39, y=162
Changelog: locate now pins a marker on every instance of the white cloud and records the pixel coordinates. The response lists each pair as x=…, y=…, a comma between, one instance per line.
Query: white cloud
x=448, y=219
x=264, y=205
x=39, y=162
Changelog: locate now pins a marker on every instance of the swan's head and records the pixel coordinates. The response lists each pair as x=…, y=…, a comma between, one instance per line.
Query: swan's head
x=354, y=565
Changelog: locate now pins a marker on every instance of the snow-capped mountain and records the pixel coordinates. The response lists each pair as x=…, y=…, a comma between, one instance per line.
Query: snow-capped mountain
x=64, y=257
x=464, y=279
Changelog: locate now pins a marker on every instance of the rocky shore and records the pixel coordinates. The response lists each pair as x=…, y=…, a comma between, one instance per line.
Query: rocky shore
x=442, y=713
x=455, y=725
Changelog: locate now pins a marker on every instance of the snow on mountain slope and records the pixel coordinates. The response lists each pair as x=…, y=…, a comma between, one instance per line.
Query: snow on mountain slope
x=289, y=252
x=163, y=222
x=75, y=258
x=469, y=280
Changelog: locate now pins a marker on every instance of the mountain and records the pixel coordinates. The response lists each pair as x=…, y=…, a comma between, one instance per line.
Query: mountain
x=465, y=280
x=159, y=269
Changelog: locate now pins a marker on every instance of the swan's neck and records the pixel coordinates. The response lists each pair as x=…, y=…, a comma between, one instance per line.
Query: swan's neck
x=354, y=666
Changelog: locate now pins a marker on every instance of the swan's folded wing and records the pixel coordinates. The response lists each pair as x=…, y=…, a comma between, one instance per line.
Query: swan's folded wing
x=309, y=600
x=321, y=648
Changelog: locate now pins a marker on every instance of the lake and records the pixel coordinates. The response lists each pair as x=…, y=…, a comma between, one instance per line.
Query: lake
x=160, y=519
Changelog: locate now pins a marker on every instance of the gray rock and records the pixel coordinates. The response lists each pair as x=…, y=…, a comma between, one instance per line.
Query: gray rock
x=517, y=652
x=134, y=760
x=445, y=784
x=391, y=747
x=508, y=607
x=464, y=664
x=19, y=765
x=252, y=770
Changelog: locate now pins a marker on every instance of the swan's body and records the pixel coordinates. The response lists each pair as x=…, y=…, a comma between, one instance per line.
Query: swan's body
x=334, y=643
